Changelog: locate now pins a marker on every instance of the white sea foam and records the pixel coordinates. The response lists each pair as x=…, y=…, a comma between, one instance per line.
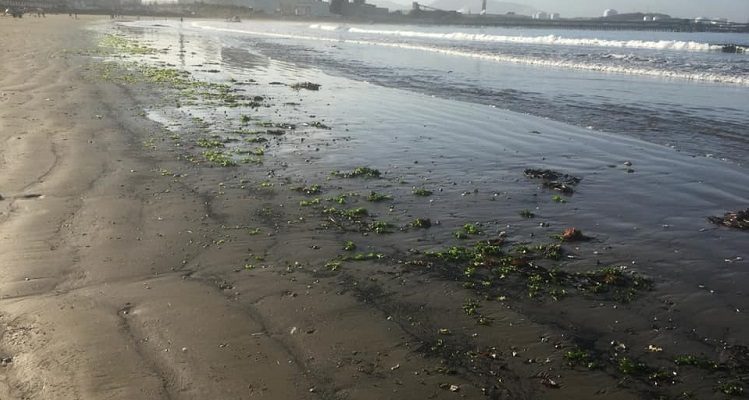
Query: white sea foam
x=550, y=40
x=328, y=27
x=525, y=60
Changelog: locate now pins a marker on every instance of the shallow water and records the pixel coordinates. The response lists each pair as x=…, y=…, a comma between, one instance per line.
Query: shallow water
x=655, y=86
x=472, y=152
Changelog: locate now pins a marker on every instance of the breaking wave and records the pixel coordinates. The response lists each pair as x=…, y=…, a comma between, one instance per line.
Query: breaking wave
x=515, y=59
x=550, y=40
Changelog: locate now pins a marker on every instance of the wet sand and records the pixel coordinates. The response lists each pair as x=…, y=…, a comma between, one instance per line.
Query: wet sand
x=98, y=300
x=130, y=270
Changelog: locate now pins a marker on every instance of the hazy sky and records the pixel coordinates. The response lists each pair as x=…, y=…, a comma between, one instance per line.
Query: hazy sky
x=737, y=10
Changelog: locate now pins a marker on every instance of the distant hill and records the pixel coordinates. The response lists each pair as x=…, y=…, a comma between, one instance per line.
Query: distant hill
x=474, y=6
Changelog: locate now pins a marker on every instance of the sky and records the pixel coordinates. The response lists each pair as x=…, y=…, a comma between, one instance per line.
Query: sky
x=736, y=10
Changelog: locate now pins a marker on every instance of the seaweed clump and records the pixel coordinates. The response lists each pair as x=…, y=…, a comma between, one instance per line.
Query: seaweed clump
x=554, y=180
x=733, y=219
x=492, y=270
x=364, y=172
x=306, y=85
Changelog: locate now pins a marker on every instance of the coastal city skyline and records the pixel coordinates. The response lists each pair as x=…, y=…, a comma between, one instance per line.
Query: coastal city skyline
x=737, y=10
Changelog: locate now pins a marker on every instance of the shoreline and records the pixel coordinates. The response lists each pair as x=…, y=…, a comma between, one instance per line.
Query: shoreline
x=208, y=281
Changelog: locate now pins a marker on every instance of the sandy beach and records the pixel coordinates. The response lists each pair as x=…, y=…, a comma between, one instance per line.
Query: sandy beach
x=93, y=302
x=140, y=258
x=96, y=249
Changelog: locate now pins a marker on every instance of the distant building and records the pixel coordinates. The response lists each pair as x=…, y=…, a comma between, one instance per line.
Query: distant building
x=305, y=8
x=541, y=15
x=265, y=6
x=714, y=21
x=100, y=4
x=554, y=16
x=610, y=12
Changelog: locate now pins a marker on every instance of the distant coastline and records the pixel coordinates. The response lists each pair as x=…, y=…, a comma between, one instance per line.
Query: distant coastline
x=428, y=16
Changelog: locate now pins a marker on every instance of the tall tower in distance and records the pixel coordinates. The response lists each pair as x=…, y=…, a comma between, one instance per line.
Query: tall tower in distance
x=483, y=7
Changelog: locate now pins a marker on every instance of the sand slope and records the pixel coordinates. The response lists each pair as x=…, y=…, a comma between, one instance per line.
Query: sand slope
x=97, y=256
x=90, y=307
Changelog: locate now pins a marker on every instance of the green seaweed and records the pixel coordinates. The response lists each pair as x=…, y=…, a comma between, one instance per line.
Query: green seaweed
x=471, y=229
x=333, y=265
x=695, y=361
x=527, y=213
x=306, y=85
x=311, y=202
x=309, y=190
x=559, y=199
x=380, y=227
x=122, y=45
x=471, y=307
x=340, y=199
x=378, y=197
x=421, y=223
x=219, y=158
x=364, y=172
x=209, y=143
x=733, y=388
x=460, y=235
x=351, y=214
x=364, y=257
x=421, y=192
x=577, y=357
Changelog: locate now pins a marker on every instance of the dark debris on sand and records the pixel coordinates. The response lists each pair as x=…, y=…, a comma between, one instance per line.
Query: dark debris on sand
x=733, y=219
x=553, y=179
x=306, y=85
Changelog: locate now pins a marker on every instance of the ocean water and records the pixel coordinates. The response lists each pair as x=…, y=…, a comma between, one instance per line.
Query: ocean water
x=674, y=89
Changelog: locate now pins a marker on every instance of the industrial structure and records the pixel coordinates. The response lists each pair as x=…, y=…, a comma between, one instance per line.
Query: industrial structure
x=357, y=8
x=305, y=8
x=610, y=12
x=419, y=10
x=541, y=15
